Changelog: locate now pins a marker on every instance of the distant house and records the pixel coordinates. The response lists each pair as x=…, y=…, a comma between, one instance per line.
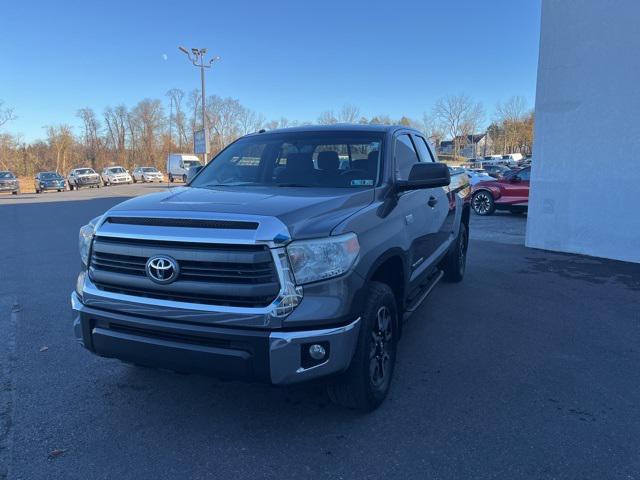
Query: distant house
x=470, y=146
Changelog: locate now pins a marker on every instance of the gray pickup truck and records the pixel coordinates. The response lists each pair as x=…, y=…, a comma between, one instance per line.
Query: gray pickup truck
x=295, y=254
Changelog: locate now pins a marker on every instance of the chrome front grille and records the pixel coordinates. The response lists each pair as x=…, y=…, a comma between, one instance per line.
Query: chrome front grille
x=212, y=274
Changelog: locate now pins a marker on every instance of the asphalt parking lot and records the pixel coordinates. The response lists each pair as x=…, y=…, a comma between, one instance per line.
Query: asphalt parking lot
x=530, y=368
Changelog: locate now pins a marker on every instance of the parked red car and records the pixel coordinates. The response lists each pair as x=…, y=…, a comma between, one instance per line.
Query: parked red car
x=508, y=193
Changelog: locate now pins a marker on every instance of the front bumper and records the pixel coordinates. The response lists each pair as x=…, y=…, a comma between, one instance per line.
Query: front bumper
x=52, y=187
x=88, y=181
x=9, y=188
x=120, y=180
x=272, y=356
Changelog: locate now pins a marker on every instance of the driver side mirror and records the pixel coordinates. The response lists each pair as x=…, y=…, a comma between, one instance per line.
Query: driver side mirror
x=193, y=171
x=425, y=175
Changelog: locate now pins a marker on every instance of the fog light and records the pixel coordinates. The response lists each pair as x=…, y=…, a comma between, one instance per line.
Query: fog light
x=317, y=352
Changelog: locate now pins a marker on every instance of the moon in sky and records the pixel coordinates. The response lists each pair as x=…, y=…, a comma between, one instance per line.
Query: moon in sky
x=164, y=56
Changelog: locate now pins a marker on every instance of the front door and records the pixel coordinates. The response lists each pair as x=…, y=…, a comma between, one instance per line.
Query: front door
x=425, y=210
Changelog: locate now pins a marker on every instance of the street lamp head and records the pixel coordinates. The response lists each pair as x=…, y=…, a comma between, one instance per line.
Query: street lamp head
x=183, y=50
x=203, y=51
x=195, y=51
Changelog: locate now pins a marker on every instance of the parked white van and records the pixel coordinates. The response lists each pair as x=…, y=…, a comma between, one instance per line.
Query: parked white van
x=178, y=165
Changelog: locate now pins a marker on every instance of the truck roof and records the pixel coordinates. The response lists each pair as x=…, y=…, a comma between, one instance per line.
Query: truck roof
x=337, y=127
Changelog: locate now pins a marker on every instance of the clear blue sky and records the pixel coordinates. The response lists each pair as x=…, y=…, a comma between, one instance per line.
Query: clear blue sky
x=290, y=58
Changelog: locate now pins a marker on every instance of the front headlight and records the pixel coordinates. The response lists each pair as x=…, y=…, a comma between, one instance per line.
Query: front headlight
x=322, y=258
x=84, y=239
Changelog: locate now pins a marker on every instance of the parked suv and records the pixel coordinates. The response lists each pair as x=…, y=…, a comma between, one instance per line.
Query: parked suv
x=44, y=181
x=9, y=182
x=83, y=177
x=276, y=264
x=508, y=193
x=115, y=175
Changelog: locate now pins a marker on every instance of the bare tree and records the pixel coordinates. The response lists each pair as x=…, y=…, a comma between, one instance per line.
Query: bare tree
x=90, y=134
x=432, y=129
x=60, y=140
x=223, y=120
x=349, y=113
x=381, y=120
x=146, y=123
x=459, y=117
x=511, y=116
x=6, y=114
x=194, y=103
x=177, y=117
x=116, y=122
x=250, y=121
x=327, y=118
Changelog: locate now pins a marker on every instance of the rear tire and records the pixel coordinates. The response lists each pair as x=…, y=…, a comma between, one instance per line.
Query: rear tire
x=455, y=262
x=71, y=187
x=483, y=203
x=366, y=382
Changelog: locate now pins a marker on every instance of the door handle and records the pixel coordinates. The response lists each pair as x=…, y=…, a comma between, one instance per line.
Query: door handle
x=433, y=201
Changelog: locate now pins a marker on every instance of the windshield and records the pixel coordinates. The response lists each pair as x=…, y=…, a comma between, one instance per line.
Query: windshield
x=149, y=169
x=297, y=159
x=191, y=163
x=116, y=170
x=6, y=175
x=84, y=171
x=50, y=176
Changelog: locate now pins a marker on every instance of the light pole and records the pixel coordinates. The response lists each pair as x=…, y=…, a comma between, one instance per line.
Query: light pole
x=197, y=58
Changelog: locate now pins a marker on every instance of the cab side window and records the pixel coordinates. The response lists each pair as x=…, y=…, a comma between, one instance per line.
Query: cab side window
x=524, y=175
x=423, y=149
x=405, y=155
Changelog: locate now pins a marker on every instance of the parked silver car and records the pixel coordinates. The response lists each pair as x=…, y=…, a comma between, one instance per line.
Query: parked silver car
x=147, y=174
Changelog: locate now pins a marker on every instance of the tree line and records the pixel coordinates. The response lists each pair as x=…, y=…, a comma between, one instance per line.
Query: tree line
x=147, y=132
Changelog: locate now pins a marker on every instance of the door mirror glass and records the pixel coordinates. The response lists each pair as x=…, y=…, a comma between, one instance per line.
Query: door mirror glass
x=426, y=175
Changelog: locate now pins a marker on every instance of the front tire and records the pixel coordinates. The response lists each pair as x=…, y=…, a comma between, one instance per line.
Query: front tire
x=171, y=178
x=366, y=382
x=184, y=179
x=483, y=203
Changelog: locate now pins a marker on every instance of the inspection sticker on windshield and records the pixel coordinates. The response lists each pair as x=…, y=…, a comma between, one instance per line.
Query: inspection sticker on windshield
x=361, y=183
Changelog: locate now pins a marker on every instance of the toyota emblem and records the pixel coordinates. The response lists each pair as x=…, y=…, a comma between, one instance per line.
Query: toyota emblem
x=162, y=269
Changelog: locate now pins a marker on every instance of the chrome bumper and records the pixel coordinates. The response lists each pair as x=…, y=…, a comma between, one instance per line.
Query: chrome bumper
x=282, y=351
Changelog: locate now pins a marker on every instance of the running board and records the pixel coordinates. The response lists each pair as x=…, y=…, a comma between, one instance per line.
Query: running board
x=433, y=281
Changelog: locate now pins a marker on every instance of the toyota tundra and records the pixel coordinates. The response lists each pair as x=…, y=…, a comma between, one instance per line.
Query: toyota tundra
x=295, y=254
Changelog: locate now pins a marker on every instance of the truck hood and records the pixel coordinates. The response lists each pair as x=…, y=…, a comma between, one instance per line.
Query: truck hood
x=307, y=212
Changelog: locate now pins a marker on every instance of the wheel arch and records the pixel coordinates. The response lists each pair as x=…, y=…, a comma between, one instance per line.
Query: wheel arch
x=391, y=269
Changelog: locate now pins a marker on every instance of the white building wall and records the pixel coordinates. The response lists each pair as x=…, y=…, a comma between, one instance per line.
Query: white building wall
x=585, y=194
